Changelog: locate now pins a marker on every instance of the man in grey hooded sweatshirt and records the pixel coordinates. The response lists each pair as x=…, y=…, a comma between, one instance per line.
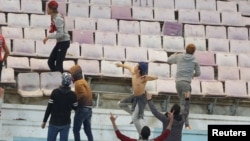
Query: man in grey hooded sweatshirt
x=187, y=68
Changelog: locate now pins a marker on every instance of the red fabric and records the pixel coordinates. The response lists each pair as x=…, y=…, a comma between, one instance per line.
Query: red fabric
x=52, y=27
x=162, y=137
x=53, y=4
x=2, y=44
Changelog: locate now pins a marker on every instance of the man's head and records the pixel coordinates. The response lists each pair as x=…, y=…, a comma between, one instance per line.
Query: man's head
x=176, y=108
x=142, y=67
x=66, y=79
x=145, y=132
x=76, y=72
x=52, y=7
x=190, y=49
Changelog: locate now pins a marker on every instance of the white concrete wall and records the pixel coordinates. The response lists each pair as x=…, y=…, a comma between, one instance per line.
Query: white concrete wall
x=101, y=125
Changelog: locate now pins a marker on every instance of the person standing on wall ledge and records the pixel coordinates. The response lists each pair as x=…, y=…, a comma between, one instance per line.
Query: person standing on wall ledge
x=57, y=56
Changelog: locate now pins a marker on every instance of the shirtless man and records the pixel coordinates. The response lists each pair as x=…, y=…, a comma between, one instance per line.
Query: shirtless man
x=138, y=99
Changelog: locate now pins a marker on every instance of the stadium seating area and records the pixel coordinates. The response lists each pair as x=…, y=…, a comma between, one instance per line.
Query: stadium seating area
x=104, y=32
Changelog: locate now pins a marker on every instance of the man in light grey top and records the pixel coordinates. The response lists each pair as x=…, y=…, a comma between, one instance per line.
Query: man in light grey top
x=187, y=68
x=61, y=35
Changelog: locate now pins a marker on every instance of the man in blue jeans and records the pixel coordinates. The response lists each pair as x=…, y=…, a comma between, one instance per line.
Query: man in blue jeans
x=83, y=112
x=60, y=104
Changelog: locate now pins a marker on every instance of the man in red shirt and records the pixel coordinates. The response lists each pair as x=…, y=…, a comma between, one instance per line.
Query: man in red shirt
x=3, y=47
x=145, y=131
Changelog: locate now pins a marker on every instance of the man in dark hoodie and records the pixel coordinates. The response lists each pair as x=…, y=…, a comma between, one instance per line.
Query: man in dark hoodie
x=179, y=118
x=83, y=113
x=187, y=68
x=60, y=104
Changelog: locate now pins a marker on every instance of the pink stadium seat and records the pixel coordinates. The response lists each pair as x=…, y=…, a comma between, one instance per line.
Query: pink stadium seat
x=218, y=45
x=78, y=1
x=3, y=20
x=129, y=27
x=200, y=43
x=142, y=13
x=190, y=16
x=44, y=50
x=166, y=87
x=34, y=33
x=151, y=87
x=23, y=47
x=132, y=54
x=37, y=64
x=28, y=85
x=162, y=14
x=131, y=40
x=173, y=43
x=207, y=73
x=212, y=89
x=231, y=19
x=18, y=20
x=143, y=3
x=89, y=67
x=157, y=55
x=209, y=5
x=166, y=4
x=50, y=81
x=239, y=46
x=91, y=51
x=105, y=38
x=121, y=12
x=205, y=58
x=109, y=69
x=151, y=41
x=107, y=25
x=150, y=28
x=40, y=21
x=12, y=32
x=244, y=74
x=226, y=59
x=98, y=11
x=31, y=6
x=236, y=89
x=85, y=24
x=194, y=30
x=121, y=2
x=172, y=29
x=196, y=88
x=73, y=51
x=243, y=60
x=18, y=63
x=8, y=76
x=228, y=73
x=243, y=8
x=184, y=4
x=216, y=32
x=82, y=36
x=237, y=33
x=208, y=17
x=100, y=2
x=226, y=6
x=162, y=70
x=74, y=8
x=67, y=64
x=113, y=53
x=10, y=6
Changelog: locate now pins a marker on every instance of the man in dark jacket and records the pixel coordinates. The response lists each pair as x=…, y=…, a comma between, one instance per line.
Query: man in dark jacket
x=60, y=104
